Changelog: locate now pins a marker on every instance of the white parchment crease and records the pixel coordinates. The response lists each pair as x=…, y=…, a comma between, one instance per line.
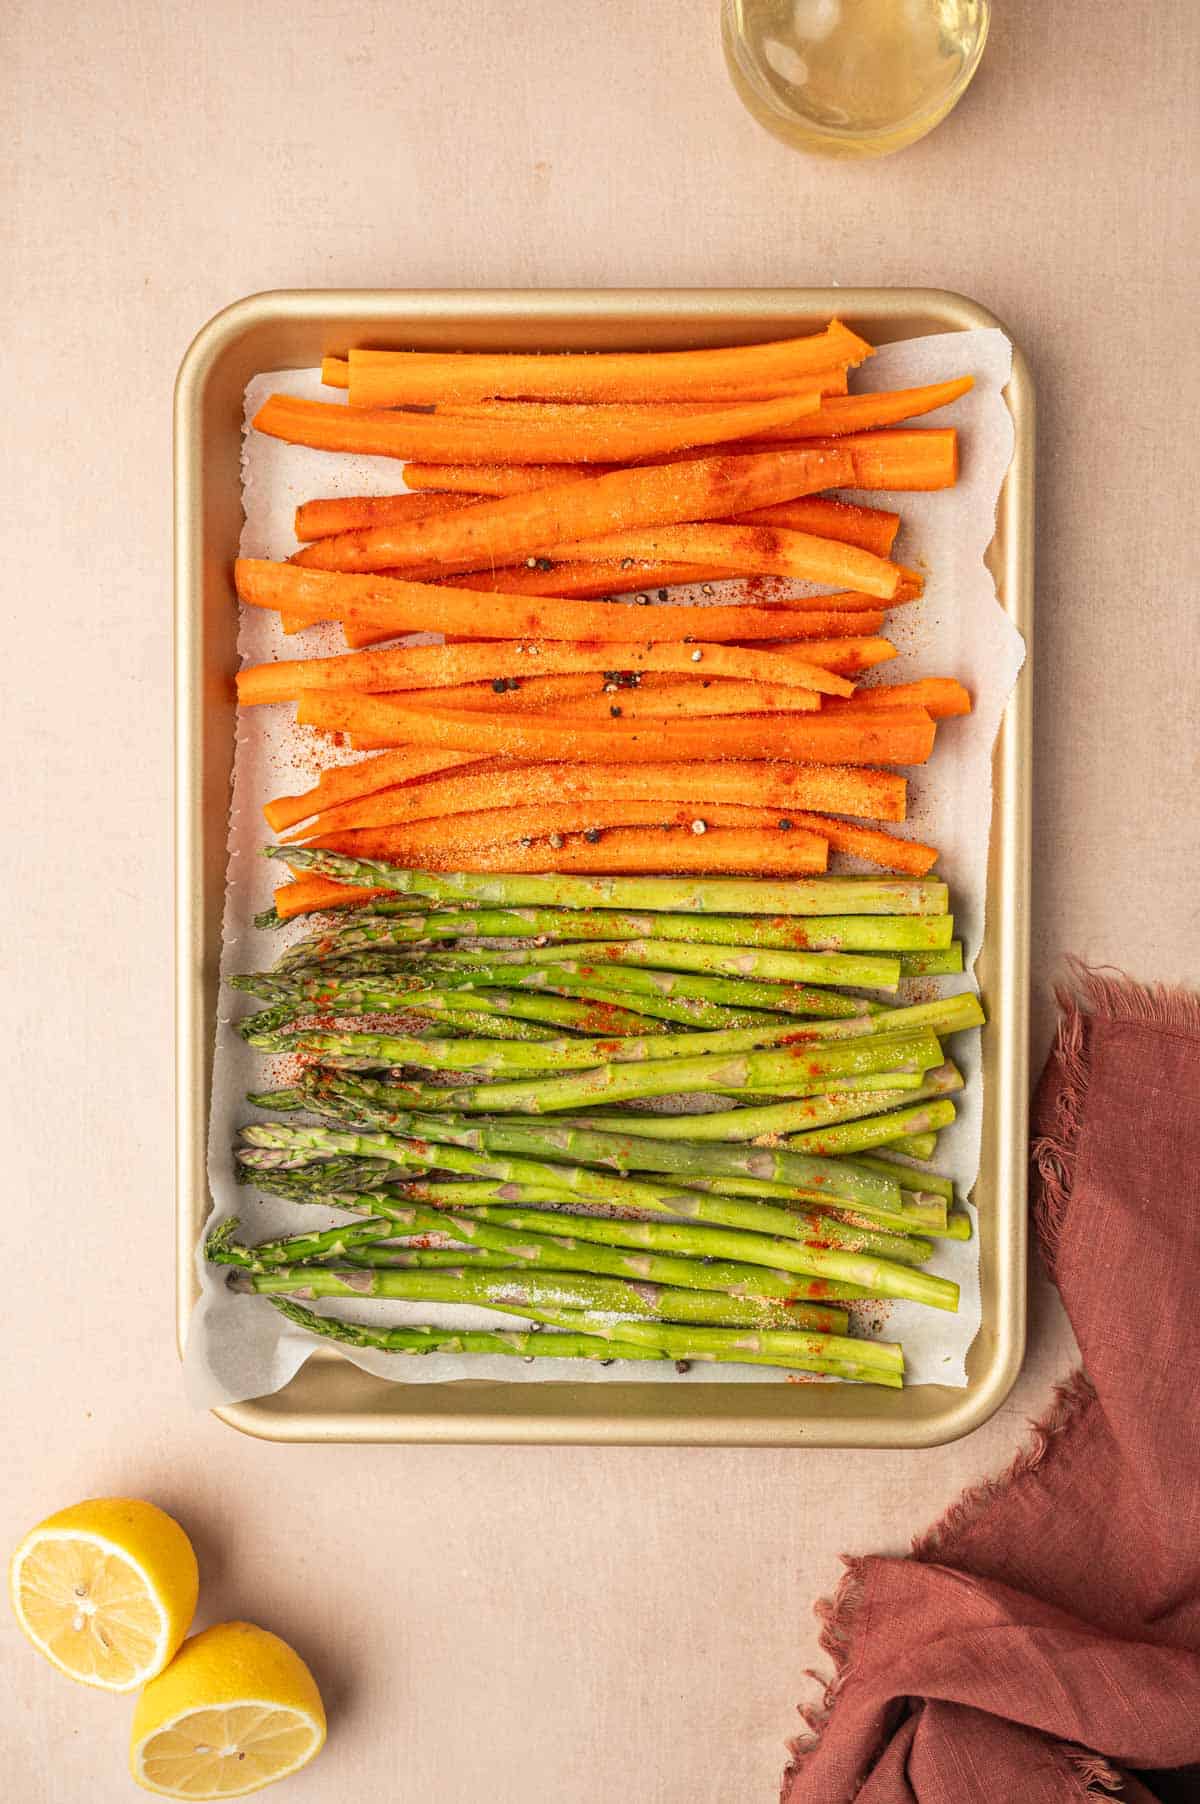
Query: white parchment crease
x=241, y=1347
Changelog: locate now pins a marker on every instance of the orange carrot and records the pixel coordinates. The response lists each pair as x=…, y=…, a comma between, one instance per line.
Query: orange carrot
x=305, y=894
x=614, y=702
x=391, y=606
x=722, y=849
x=899, y=736
x=494, y=479
x=492, y=533
x=846, y=656
x=346, y=781
x=505, y=826
x=326, y=426
x=871, y=528
x=920, y=458
x=362, y=627
x=885, y=849
x=864, y=413
x=592, y=578
x=942, y=697
x=399, y=378
x=771, y=550
x=873, y=794
x=350, y=513
x=335, y=372
x=438, y=666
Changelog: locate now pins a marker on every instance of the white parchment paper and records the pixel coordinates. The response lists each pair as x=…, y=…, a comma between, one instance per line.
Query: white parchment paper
x=240, y=1346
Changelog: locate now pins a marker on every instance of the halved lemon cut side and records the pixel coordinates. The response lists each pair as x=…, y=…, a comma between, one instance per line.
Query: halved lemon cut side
x=227, y=1751
x=106, y=1590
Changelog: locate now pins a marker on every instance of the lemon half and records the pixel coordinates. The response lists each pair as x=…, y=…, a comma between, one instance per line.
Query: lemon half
x=235, y=1710
x=106, y=1590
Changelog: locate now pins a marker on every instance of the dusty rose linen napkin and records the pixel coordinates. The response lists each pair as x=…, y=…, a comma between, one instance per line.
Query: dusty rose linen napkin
x=1044, y=1637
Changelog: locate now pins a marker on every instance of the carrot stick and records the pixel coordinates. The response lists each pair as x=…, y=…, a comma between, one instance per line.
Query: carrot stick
x=392, y=606
x=923, y=458
x=862, y=413
x=326, y=426
x=347, y=781
x=493, y=479
x=397, y=378
x=350, y=513
x=591, y=578
x=771, y=550
x=365, y=628
x=335, y=372
x=305, y=894
x=847, y=656
x=760, y=853
x=885, y=849
x=439, y=666
x=687, y=699
x=507, y=826
x=899, y=736
x=942, y=697
x=870, y=528
x=492, y=533
x=873, y=794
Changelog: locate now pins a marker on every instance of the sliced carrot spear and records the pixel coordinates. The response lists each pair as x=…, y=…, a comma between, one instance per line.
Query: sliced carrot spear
x=335, y=372
x=871, y=794
x=899, y=736
x=722, y=849
x=399, y=378
x=678, y=700
x=942, y=697
x=871, y=528
x=498, y=532
x=350, y=513
x=494, y=479
x=363, y=628
x=438, y=666
x=392, y=606
x=887, y=850
x=584, y=579
x=863, y=413
x=847, y=656
x=493, y=826
x=326, y=426
x=770, y=550
x=347, y=781
x=305, y=894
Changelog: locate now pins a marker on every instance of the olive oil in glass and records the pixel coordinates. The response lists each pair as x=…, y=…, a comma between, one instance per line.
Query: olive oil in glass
x=852, y=78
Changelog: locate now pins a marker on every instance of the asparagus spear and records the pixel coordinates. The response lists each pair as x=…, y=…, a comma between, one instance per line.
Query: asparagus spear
x=518, y=1292
x=816, y=933
x=864, y=970
x=904, y=1175
x=916, y=1146
x=875, y=1130
x=635, y=983
x=705, y=895
x=476, y=1017
x=884, y=1364
x=573, y=1344
x=528, y=1344
x=945, y=963
x=351, y=1242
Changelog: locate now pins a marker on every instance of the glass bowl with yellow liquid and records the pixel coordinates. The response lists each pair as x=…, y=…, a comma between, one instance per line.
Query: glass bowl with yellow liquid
x=852, y=78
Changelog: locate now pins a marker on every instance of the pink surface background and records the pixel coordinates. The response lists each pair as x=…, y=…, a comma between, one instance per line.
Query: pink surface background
x=581, y=1624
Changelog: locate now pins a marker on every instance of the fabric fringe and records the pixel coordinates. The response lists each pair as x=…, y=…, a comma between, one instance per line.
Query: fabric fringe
x=838, y=1616
x=938, y=1544
x=1095, y=1774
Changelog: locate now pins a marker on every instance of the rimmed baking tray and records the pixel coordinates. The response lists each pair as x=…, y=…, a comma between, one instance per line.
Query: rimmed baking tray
x=330, y=1399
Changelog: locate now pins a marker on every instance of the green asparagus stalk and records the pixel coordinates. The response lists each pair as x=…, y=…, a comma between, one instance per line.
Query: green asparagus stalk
x=819, y=933
x=875, y=1130
x=915, y=1146
x=636, y=985
x=911, y=1219
x=904, y=1175
x=515, y=1343
x=884, y=1365
x=476, y=1017
x=351, y=1242
x=517, y=1292
x=945, y=963
x=863, y=970
x=706, y=895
